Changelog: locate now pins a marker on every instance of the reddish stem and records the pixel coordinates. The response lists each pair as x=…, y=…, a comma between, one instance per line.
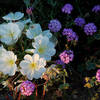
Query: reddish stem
x=19, y=96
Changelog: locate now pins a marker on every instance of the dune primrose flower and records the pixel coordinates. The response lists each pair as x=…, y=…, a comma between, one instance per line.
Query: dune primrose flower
x=33, y=66
x=96, y=8
x=79, y=21
x=9, y=33
x=44, y=47
x=66, y=56
x=90, y=29
x=98, y=75
x=54, y=25
x=27, y=88
x=67, y=8
x=70, y=34
x=7, y=62
x=35, y=30
x=13, y=16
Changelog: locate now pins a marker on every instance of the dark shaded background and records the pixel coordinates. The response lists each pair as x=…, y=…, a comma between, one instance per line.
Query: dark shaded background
x=83, y=49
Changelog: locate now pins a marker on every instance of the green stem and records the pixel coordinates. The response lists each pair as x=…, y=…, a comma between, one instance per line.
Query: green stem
x=64, y=80
x=78, y=8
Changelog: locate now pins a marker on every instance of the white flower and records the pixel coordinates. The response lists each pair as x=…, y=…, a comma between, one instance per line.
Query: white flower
x=35, y=30
x=44, y=47
x=21, y=24
x=9, y=33
x=47, y=33
x=33, y=66
x=2, y=50
x=7, y=63
x=13, y=16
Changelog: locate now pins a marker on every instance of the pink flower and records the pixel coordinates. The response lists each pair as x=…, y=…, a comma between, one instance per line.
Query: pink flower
x=27, y=88
x=98, y=75
x=66, y=56
x=29, y=11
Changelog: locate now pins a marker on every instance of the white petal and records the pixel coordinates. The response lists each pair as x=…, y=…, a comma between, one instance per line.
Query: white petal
x=35, y=57
x=39, y=73
x=24, y=64
x=30, y=75
x=28, y=58
x=13, y=70
x=18, y=15
x=12, y=16
x=42, y=62
x=47, y=33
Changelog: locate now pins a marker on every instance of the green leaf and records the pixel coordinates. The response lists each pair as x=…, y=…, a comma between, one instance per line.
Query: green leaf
x=97, y=36
x=27, y=2
x=52, y=3
x=90, y=66
x=64, y=86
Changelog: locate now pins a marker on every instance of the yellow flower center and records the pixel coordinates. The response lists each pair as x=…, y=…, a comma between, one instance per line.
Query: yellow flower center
x=0, y=36
x=10, y=62
x=42, y=49
x=32, y=65
x=11, y=34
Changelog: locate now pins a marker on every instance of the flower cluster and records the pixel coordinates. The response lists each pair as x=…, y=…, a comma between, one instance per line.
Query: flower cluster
x=98, y=75
x=33, y=66
x=27, y=88
x=67, y=8
x=54, y=25
x=31, y=59
x=59, y=62
x=79, y=21
x=70, y=34
x=96, y=8
x=90, y=29
x=66, y=56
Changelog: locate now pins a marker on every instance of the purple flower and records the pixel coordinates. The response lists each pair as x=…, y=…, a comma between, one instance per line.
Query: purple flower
x=27, y=87
x=90, y=29
x=66, y=56
x=54, y=25
x=98, y=75
x=71, y=54
x=70, y=34
x=59, y=62
x=96, y=8
x=67, y=8
x=79, y=21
